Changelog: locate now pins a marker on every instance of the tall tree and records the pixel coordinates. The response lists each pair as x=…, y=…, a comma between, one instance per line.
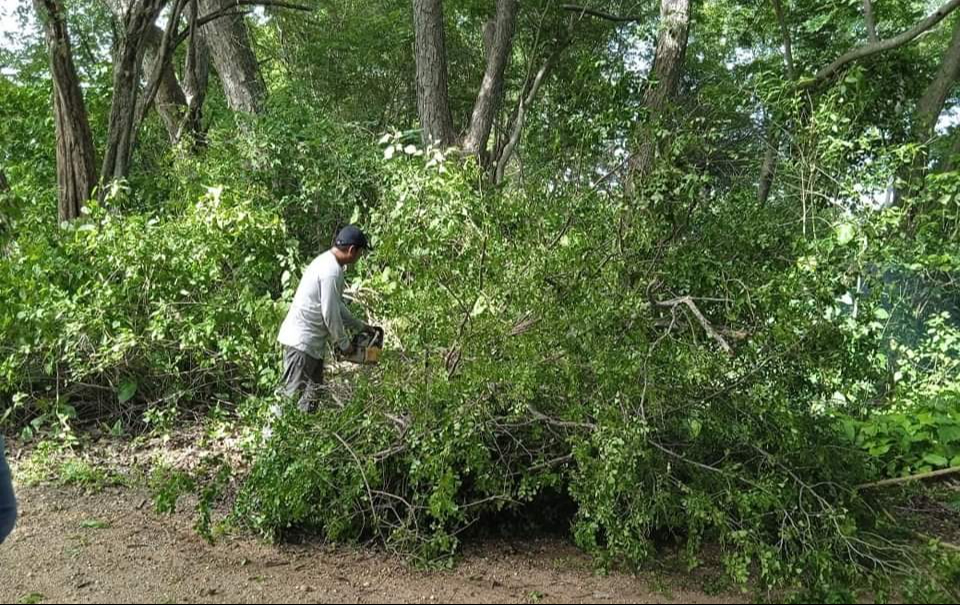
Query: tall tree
x=928, y=110
x=128, y=105
x=674, y=31
x=76, y=170
x=491, y=89
x=233, y=57
x=430, y=53
x=772, y=144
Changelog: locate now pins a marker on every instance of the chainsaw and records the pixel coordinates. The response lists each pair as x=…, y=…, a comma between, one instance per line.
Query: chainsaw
x=367, y=347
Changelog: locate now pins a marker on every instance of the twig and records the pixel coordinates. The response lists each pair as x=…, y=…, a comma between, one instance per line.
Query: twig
x=363, y=475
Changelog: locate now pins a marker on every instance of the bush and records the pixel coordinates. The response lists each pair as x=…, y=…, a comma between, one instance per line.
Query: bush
x=530, y=353
x=139, y=313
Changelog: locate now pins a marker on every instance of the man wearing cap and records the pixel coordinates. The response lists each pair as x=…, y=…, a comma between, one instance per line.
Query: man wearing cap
x=318, y=316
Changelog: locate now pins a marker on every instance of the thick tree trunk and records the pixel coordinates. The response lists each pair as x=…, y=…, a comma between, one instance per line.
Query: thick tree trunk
x=430, y=53
x=76, y=171
x=171, y=103
x=233, y=58
x=137, y=23
x=666, y=72
x=491, y=89
x=927, y=113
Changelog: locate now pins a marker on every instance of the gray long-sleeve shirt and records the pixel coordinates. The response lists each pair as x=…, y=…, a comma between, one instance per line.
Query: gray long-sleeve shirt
x=318, y=312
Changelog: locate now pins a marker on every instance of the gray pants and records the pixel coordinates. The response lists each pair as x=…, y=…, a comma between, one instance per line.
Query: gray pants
x=303, y=375
x=8, y=503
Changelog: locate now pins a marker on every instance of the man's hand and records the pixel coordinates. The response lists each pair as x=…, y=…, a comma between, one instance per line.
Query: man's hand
x=348, y=350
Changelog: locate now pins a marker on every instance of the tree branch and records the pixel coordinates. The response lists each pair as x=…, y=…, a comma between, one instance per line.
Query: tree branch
x=164, y=54
x=516, y=129
x=910, y=478
x=688, y=302
x=787, y=39
x=868, y=50
x=583, y=10
x=228, y=10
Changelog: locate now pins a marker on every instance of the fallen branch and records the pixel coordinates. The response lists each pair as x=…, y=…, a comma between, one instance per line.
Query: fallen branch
x=910, y=478
x=688, y=302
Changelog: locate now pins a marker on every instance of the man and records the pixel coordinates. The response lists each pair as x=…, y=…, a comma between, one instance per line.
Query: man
x=318, y=316
x=8, y=504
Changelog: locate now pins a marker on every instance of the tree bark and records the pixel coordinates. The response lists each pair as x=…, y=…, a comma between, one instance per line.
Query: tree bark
x=666, y=71
x=129, y=53
x=76, y=159
x=491, y=89
x=233, y=58
x=196, y=72
x=178, y=106
x=870, y=20
x=768, y=169
x=927, y=113
x=171, y=102
x=430, y=52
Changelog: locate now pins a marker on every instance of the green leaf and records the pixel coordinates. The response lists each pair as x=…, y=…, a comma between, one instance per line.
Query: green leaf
x=845, y=233
x=850, y=430
x=881, y=313
x=819, y=22
x=127, y=390
x=935, y=459
x=949, y=434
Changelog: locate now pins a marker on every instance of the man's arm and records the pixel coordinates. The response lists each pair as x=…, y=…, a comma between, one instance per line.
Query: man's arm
x=351, y=322
x=332, y=308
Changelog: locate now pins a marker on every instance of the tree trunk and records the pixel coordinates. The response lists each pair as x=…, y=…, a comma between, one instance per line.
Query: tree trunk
x=76, y=171
x=233, y=58
x=129, y=53
x=196, y=72
x=666, y=71
x=171, y=102
x=517, y=121
x=870, y=20
x=491, y=89
x=430, y=52
x=928, y=111
x=768, y=169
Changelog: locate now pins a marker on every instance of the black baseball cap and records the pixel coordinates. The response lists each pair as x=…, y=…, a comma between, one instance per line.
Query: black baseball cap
x=351, y=235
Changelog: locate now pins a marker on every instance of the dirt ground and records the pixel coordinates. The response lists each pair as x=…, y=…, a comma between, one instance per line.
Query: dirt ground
x=110, y=547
